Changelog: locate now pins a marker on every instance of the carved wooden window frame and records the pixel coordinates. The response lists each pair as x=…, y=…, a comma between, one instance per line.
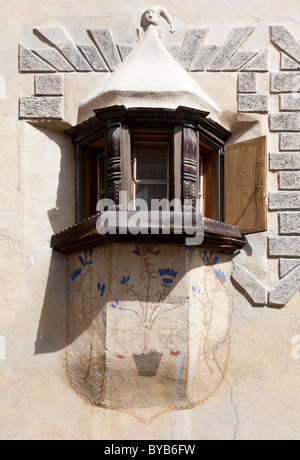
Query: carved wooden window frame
x=186, y=164
x=86, y=172
x=188, y=129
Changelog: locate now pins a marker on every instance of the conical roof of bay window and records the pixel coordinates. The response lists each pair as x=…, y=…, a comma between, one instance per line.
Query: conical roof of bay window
x=149, y=77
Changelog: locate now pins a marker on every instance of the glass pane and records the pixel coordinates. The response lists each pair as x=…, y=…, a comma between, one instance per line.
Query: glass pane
x=148, y=192
x=101, y=185
x=152, y=160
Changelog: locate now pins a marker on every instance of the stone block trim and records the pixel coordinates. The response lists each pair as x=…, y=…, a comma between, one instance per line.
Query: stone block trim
x=286, y=288
x=285, y=82
x=284, y=246
x=288, y=164
x=48, y=85
x=256, y=103
x=94, y=58
x=249, y=284
x=284, y=161
x=289, y=180
x=289, y=223
x=280, y=294
x=243, y=61
x=239, y=59
x=106, y=45
x=236, y=38
x=285, y=121
x=287, y=63
x=259, y=63
x=286, y=41
x=290, y=142
x=55, y=59
x=290, y=102
x=247, y=82
x=64, y=55
x=204, y=57
x=125, y=50
x=41, y=107
x=193, y=40
x=59, y=38
x=103, y=54
x=29, y=62
x=287, y=265
x=280, y=201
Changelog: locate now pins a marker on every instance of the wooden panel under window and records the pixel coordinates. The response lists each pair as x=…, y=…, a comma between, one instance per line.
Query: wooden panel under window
x=245, y=183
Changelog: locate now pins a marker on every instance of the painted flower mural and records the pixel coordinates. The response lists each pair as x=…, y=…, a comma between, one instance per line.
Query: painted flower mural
x=209, y=259
x=86, y=259
x=149, y=311
x=221, y=276
x=148, y=326
x=149, y=304
x=168, y=275
x=85, y=280
x=211, y=294
x=147, y=252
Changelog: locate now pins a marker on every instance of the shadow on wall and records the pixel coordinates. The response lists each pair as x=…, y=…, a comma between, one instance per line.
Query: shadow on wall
x=63, y=215
x=51, y=335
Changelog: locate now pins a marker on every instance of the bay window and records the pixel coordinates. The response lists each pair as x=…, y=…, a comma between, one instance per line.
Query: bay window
x=169, y=154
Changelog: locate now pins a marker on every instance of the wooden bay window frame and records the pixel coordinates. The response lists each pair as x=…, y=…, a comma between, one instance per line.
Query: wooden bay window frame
x=94, y=166
x=211, y=179
x=87, y=175
x=118, y=128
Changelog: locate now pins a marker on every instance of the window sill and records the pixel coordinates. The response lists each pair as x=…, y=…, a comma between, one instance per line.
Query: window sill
x=217, y=235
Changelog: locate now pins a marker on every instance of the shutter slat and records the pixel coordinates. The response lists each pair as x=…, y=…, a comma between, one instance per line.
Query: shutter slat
x=245, y=183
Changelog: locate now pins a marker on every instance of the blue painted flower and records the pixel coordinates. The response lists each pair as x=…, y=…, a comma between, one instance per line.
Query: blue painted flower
x=115, y=305
x=196, y=290
x=125, y=280
x=76, y=273
x=168, y=274
x=101, y=289
x=146, y=252
x=221, y=276
x=209, y=259
x=85, y=260
x=167, y=280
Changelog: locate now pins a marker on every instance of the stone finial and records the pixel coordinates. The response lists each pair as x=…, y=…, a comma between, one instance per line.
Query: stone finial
x=152, y=17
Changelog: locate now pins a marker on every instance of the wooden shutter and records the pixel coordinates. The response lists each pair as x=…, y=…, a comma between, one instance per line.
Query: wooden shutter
x=245, y=185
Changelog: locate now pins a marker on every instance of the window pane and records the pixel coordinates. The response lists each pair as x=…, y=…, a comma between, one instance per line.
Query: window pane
x=148, y=192
x=151, y=160
x=101, y=184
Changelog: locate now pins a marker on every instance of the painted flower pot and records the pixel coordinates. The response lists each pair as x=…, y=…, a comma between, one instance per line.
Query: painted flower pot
x=148, y=363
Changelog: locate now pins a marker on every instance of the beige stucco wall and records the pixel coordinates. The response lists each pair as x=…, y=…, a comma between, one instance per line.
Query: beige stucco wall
x=259, y=398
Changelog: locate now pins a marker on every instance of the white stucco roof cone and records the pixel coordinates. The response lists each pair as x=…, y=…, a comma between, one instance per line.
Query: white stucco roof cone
x=149, y=77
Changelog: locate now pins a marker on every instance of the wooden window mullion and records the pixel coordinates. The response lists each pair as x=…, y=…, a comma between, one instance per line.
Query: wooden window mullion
x=189, y=165
x=114, y=162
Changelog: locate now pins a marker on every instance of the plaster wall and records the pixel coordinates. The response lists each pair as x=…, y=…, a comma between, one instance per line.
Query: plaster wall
x=259, y=398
